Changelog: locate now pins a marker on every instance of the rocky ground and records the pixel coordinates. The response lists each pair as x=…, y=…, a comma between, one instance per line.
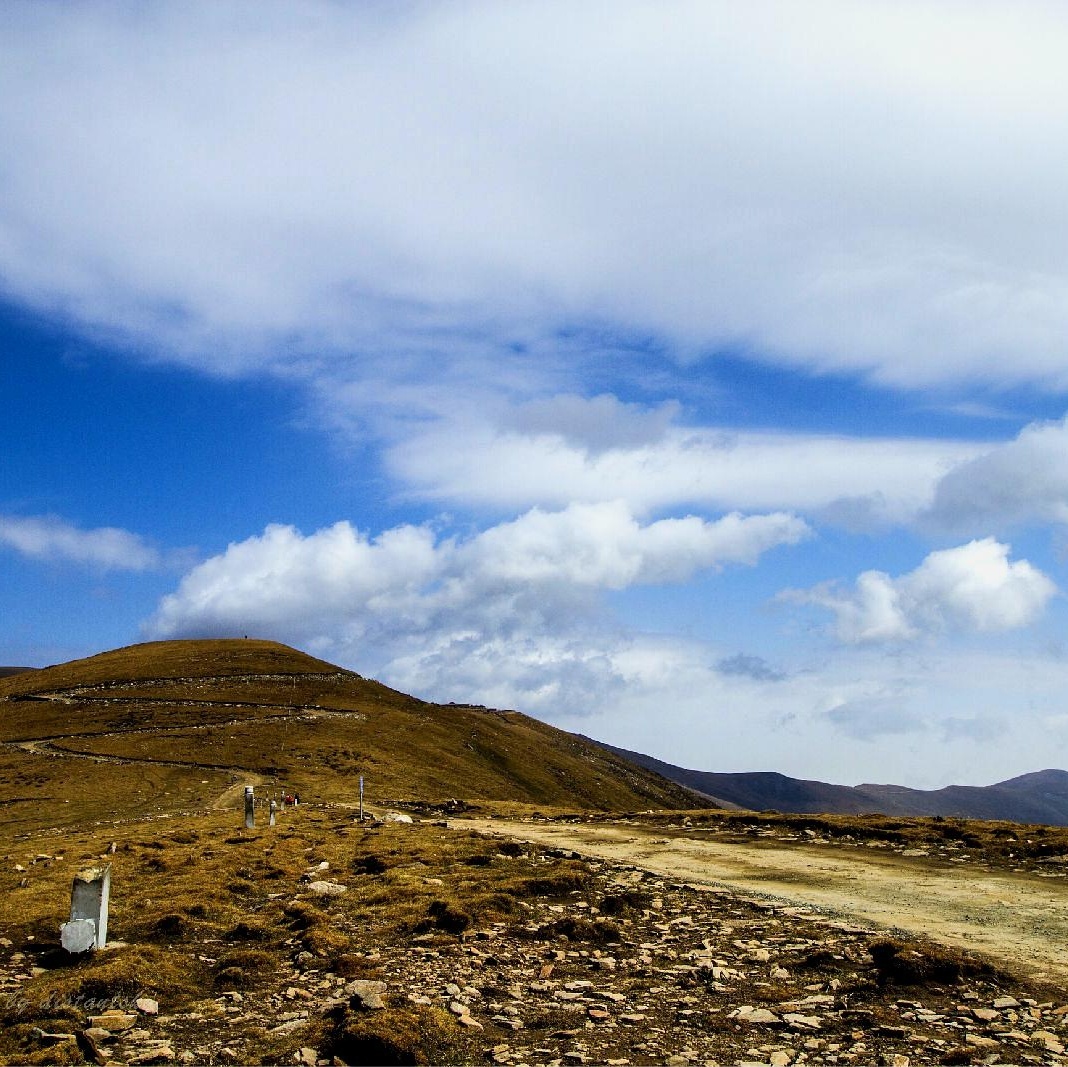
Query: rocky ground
x=515, y=955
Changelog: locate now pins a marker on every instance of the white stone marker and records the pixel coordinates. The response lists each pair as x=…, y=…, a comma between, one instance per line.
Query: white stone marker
x=274, y=808
x=88, y=925
x=250, y=808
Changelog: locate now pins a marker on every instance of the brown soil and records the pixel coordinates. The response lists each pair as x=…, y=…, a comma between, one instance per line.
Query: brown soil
x=1017, y=920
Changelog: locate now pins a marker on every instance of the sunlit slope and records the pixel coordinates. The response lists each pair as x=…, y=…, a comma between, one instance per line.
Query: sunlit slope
x=224, y=711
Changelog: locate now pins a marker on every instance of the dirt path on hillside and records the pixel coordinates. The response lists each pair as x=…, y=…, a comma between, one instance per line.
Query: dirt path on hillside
x=1021, y=921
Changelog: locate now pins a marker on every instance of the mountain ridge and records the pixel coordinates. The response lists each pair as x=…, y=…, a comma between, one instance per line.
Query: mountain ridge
x=1035, y=797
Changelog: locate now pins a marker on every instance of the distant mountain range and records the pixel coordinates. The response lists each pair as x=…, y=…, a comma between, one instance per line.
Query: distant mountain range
x=6, y=672
x=1040, y=797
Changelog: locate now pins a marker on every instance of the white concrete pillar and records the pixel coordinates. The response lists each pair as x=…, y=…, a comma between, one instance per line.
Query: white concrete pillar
x=250, y=808
x=88, y=925
x=274, y=809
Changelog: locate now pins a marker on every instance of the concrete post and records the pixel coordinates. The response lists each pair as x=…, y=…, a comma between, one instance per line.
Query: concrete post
x=88, y=925
x=274, y=808
x=250, y=808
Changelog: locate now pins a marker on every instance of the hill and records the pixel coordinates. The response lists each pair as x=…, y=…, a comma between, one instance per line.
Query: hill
x=200, y=719
x=1040, y=797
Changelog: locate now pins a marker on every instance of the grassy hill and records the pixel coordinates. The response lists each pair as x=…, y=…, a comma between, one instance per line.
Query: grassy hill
x=180, y=725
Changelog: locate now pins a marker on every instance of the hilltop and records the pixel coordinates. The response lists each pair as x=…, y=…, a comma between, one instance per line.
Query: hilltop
x=198, y=718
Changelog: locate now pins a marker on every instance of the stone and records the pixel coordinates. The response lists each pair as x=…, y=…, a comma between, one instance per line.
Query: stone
x=147, y=1006
x=78, y=935
x=471, y=1024
x=797, y=1021
x=157, y=1054
x=758, y=1016
x=48, y=1039
x=1051, y=1041
x=396, y=816
x=89, y=897
x=307, y=1057
x=328, y=889
x=780, y=1059
x=986, y=1015
x=459, y=1009
x=366, y=995
x=1006, y=1002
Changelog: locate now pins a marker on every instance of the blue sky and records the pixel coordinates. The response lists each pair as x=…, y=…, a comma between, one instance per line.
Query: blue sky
x=689, y=375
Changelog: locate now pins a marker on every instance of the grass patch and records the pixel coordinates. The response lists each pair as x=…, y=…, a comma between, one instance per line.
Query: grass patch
x=903, y=963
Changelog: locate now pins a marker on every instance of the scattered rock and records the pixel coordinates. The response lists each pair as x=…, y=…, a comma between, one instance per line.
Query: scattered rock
x=365, y=995
x=327, y=889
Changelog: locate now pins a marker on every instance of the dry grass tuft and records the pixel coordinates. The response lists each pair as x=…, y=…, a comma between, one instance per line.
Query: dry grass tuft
x=900, y=963
x=412, y=1034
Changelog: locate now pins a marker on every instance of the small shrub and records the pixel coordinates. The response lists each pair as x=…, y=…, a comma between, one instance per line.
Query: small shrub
x=303, y=916
x=409, y=1035
x=624, y=902
x=171, y=927
x=247, y=932
x=370, y=864
x=242, y=969
x=899, y=963
x=578, y=929
x=447, y=917
x=552, y=885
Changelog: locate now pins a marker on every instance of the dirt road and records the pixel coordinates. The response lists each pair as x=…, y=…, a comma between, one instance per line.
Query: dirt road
x=1020, y=921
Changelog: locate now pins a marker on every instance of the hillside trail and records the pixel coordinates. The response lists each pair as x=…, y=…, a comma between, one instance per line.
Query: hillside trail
x=1019, y=921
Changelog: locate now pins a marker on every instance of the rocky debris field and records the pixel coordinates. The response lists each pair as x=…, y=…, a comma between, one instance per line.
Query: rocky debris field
x=325, y=941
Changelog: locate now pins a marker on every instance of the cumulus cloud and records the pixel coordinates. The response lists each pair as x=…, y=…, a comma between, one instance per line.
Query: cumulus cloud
x=1023, y=480
x=510, y=599
x=971, y=588
x=432, y=178
x=49, y=538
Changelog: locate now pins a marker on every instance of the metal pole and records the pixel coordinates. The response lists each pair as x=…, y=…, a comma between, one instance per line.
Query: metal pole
x=361, y=798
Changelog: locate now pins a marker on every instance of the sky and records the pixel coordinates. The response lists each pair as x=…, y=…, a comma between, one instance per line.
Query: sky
x=693, y=376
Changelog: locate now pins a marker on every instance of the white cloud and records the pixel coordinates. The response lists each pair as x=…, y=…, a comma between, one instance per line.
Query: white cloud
x=1023, y=480
x=865, y=188
x=596, y=424
x=971, y=588
x=47, y=537
x=877, y=481
x=821, y=720
x=520, y=599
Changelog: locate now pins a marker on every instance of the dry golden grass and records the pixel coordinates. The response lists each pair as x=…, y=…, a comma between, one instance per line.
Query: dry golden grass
x=182, y=713
x=201, y=906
